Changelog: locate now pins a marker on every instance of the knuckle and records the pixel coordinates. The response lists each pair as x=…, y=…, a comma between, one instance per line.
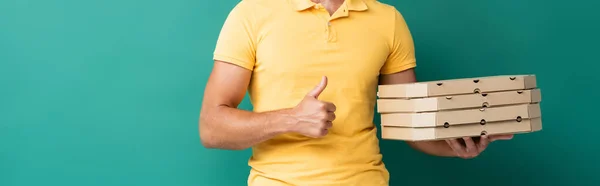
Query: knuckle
x=322, y=105
x=323, y=125
x=323, y=119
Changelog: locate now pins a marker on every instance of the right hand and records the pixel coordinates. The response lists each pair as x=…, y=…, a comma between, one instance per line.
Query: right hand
x=314, y=117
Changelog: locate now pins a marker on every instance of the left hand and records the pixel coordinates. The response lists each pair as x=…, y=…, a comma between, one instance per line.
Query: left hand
x=470, y=148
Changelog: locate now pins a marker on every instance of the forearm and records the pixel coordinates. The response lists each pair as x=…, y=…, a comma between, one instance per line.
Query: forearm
x=224, y=127
x=435, y=148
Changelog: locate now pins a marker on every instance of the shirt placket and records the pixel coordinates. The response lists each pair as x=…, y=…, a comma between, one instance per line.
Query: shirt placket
x=330, y=29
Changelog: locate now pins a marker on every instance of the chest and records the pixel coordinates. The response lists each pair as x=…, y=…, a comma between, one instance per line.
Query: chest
x=308, y=44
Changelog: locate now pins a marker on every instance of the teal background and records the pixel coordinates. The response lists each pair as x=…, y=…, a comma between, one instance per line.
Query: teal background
x=100, y=93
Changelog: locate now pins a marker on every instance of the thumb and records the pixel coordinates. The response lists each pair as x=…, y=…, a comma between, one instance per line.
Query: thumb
x=319, y=88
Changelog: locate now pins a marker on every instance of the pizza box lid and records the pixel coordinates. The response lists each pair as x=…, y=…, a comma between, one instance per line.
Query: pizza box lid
x=459, y=131
x=452, y=118
x=467, y=101
x=457, y=86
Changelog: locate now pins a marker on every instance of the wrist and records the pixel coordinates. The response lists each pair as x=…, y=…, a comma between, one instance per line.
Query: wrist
x=281, y=122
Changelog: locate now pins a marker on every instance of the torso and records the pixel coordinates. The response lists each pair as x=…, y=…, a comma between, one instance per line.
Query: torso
x=294, y=50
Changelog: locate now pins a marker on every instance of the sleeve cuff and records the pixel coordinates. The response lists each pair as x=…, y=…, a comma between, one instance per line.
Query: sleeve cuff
x=396, y=69
x=242, y=63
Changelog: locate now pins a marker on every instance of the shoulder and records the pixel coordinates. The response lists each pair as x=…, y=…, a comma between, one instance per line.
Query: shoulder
x=387, y=12
x=392, y=17
x=388, y=17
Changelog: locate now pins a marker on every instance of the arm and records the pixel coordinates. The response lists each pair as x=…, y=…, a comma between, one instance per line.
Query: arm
x=436, y=148
x=221, y=124
x=224, y=126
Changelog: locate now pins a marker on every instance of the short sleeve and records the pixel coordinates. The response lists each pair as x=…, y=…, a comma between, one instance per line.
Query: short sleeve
x=236, y=42
x=402, y=55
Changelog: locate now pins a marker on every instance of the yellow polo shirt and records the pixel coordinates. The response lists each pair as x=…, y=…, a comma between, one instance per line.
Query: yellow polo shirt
x=289, y=45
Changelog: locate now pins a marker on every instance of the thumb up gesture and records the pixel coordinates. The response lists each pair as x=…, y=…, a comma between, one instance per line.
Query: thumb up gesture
x=314, y=117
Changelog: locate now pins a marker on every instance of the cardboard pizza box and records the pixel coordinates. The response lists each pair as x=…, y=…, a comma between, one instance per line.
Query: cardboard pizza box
x=458, y=86
x=459, y=101
x=453, y=118
x=459, y=131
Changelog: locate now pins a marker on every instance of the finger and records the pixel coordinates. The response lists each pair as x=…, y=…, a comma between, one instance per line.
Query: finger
x=471, y=148
x=330, y=107
x=319, y=132
x=483, y=143
x=328, y=124
x=324, y=131
x=501, y=137
x=330, y=116
x=319, y=88
x=476, y=139
x=456, y=146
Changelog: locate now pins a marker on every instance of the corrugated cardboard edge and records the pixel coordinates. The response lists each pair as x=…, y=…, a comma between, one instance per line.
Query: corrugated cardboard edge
x=403, y=91
x=416, y=120
x=431, y=134
x=427, y=88
x=407, y=105
x=503, y=83
x=535, y=112
x=407, y=134
x=530, y=81
x=436, y=104
x=434, y=119
x=536, y=95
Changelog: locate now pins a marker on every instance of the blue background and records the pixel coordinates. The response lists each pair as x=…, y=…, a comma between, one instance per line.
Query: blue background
x=108, y=92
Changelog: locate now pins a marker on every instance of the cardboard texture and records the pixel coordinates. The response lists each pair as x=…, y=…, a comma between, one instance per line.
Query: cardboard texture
x=458, y=86
x=459, y=101
x=458, y=108
x=461, y=117
x=459, y=131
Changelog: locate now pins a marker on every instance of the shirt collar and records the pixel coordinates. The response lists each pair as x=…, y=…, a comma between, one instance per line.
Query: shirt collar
x=356, y=5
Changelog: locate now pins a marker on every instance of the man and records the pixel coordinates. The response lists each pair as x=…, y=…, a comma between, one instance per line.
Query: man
x=311, y=69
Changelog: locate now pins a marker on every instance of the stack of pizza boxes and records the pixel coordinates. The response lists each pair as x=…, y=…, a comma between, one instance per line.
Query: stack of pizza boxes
x=455, y=108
